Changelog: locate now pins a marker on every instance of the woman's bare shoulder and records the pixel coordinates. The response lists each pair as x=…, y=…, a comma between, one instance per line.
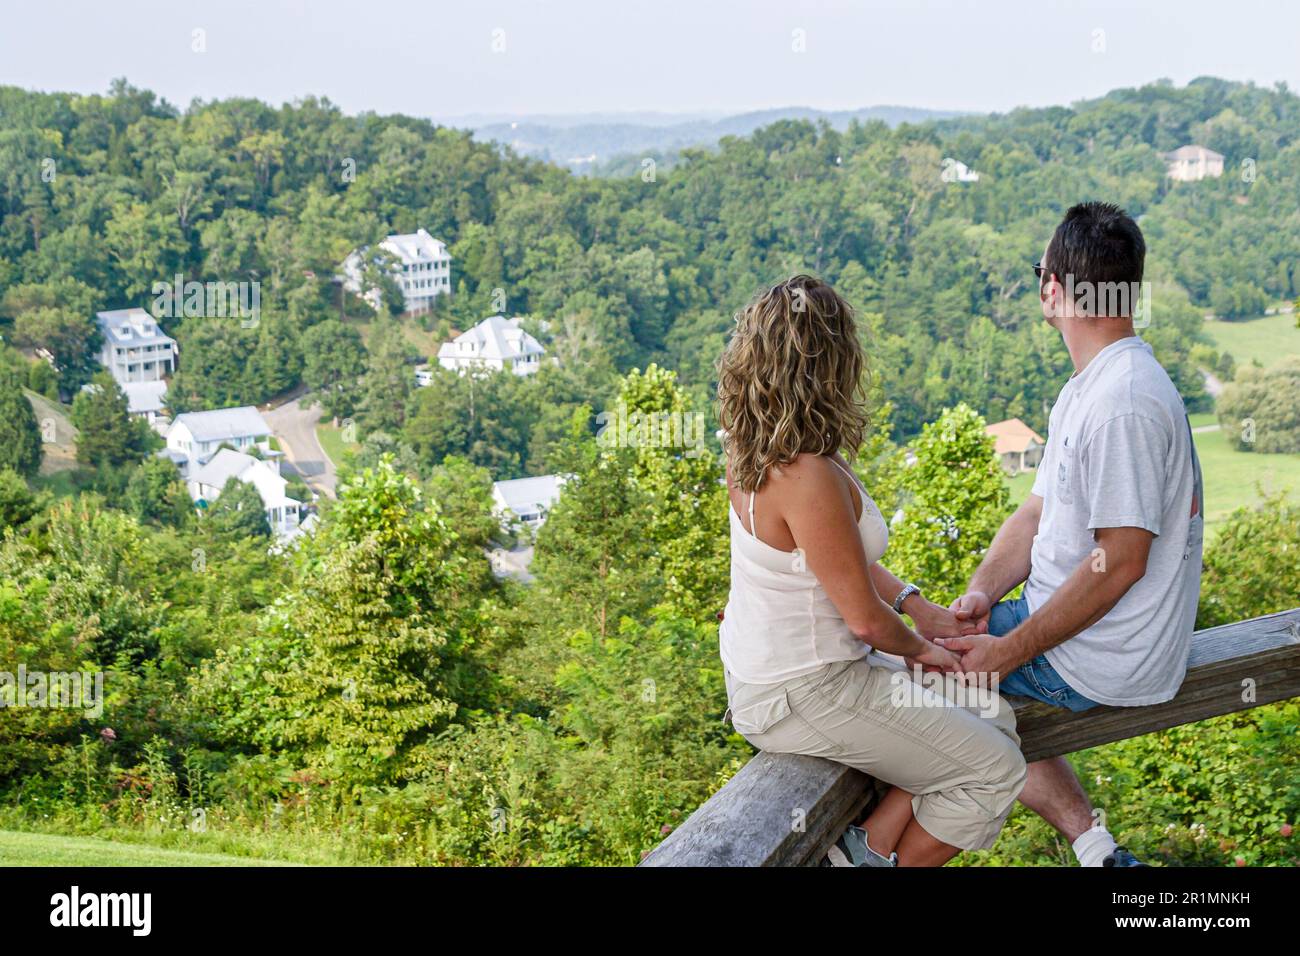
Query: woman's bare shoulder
x=806, y=473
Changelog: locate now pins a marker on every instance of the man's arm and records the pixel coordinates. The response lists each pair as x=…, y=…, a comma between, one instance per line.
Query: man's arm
x=1088, y=594
x=1004, y=566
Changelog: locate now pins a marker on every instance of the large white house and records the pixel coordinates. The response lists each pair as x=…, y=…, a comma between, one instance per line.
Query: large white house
x=1192, y=162
x=135, y=349
x=527, y=499
x=206, y=483
x=495, y=343
x=424, y=270
x=194, y=437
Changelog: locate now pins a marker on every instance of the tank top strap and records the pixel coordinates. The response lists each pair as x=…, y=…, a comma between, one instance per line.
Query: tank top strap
x=847, y=471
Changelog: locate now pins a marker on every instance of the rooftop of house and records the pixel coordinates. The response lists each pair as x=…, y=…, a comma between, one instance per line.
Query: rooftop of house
x=222, y=424
x=1012, y=436
x=132, y=327
x=224, y=465
x=1192, y=151
x=142, y=397
x=524, y=495
x=496, y=337
x=228, y=463
x=416, y=246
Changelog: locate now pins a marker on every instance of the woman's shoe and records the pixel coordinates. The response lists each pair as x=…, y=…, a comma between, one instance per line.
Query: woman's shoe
x=851, y=849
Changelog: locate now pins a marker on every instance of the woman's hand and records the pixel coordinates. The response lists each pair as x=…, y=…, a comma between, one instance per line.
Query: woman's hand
x=934, y=620
x=935, y=658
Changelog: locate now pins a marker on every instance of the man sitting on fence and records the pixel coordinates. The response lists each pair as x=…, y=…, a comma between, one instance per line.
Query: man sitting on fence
x=1108, y=545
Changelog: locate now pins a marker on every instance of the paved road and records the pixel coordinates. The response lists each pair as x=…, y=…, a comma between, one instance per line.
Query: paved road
x=295, y=427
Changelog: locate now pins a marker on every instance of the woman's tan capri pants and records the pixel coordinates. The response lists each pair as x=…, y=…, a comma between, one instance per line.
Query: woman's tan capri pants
x=965, y=769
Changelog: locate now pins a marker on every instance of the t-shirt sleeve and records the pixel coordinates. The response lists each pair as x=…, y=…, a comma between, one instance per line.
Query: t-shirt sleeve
x=1040, y=478
x=1124, y=463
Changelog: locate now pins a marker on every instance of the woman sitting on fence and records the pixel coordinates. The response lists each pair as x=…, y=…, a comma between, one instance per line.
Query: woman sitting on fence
x=812, y=610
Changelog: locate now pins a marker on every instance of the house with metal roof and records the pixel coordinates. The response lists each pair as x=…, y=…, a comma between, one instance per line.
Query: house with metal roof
x=135, y=348
x=194, y=437
x=1192, y=162
x=423, y=270
x=206, y=483
x=528, y=500
x=495, y=343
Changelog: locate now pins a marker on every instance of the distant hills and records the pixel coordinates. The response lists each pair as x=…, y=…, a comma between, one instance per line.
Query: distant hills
x=586, y=142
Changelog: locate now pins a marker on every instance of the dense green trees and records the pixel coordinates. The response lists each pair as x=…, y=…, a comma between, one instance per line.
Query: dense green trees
x=1260, y=409
x=953, y=500
x=107, y=436
x=333, y=363
x=375, y=686
x=238, y=513
x=20, y=436
x=621, y=272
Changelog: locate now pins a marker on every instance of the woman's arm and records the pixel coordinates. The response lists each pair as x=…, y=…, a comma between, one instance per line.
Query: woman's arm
x=817, y=507
x=931, y=620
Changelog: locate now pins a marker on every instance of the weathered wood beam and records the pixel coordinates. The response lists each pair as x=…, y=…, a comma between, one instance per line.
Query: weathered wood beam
x=786, y=810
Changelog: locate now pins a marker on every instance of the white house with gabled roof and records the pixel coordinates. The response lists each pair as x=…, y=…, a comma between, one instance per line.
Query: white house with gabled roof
x=1193, y=162
x=495, y=343
x=194, y=437
x=135, y=349
x=528, y=500
x=206, y=483
x=423, y=272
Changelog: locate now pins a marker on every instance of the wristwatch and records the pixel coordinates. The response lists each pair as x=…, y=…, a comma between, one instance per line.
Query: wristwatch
x=903, y=595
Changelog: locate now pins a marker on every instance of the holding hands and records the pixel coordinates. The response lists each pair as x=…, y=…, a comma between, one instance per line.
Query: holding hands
x=980, y=653
x=935, y=622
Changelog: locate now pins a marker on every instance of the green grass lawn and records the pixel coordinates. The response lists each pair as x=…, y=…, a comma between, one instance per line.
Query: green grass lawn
x=331, y=440
x=43, y=849
x=1233, y=479
x=1020, y=485
x=1264, y=339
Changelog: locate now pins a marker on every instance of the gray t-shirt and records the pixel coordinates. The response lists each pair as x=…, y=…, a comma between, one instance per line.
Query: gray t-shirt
x=1120, y=454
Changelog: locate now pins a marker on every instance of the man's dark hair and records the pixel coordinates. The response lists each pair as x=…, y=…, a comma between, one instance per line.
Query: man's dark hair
x=1096, y=242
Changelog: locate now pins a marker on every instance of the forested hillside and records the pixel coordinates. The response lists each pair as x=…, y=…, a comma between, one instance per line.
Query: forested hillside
x=103, y=196
x=374, y=692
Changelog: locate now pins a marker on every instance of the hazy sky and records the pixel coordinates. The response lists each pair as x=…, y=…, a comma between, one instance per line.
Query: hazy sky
x=520, y=57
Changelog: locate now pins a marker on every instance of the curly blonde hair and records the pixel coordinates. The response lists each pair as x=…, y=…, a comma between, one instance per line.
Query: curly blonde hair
x=790, y=380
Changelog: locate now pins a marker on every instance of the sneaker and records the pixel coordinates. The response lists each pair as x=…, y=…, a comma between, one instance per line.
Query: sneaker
x=1121, y=857
x=851, y=850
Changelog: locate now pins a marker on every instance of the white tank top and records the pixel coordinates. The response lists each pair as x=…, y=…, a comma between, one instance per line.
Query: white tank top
x=779, y=623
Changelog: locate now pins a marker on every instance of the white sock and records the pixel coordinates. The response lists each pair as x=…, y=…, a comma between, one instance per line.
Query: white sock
x=1093, y=846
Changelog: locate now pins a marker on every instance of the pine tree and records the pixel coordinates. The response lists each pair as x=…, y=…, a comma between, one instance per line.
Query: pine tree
x=20, y=437
x=107, y=434
x=238, y=512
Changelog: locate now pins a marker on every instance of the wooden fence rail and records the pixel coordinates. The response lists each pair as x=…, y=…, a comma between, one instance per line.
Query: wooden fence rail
x=786, y=810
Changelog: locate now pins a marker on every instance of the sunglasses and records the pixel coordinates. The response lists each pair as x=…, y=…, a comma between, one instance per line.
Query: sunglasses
x=1038, y=270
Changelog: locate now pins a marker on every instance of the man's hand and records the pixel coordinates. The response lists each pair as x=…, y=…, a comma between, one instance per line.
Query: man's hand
x=981, y=654
x=934, y=620
x=935, y=658
x=973, y=607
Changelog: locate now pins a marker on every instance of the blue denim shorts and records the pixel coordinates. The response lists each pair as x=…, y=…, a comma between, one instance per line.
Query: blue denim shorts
x=1037, y=679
